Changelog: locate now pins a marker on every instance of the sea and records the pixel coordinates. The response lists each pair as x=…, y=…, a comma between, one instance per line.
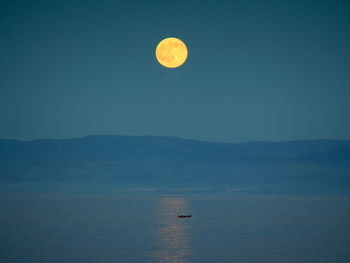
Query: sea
x=140, y=227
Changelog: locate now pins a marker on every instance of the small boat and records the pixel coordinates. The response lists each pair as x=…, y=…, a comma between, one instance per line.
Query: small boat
x=183, y=215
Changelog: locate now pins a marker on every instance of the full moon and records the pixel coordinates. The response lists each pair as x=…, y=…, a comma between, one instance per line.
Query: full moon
x=171, y=52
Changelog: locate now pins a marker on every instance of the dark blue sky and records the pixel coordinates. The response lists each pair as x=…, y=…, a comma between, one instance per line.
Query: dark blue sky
x=257, y=70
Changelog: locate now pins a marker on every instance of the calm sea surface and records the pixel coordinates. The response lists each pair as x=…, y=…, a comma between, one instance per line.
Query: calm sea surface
x=101, y=228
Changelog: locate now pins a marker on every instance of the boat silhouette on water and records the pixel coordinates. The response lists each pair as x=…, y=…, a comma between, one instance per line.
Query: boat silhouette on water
x=183, y=215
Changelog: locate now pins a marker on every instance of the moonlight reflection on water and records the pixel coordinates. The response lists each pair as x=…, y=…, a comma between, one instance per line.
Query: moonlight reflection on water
x=173, y=233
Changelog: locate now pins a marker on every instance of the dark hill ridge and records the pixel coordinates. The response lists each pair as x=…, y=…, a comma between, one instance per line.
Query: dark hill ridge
x=159, y=161
x=151, y=148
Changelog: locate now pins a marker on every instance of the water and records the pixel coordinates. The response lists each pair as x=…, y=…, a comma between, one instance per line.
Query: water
x=145, y=228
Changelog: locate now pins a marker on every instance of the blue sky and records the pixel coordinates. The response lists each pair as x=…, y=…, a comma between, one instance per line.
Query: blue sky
x=257, y=70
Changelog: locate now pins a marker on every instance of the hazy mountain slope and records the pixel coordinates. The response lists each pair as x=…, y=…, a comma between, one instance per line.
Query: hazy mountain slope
x=157, y=161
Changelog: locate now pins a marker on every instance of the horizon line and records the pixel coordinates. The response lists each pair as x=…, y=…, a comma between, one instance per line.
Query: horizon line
x=166, y=136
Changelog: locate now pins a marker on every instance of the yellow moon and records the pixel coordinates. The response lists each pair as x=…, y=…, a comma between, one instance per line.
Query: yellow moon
x=171, y=52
